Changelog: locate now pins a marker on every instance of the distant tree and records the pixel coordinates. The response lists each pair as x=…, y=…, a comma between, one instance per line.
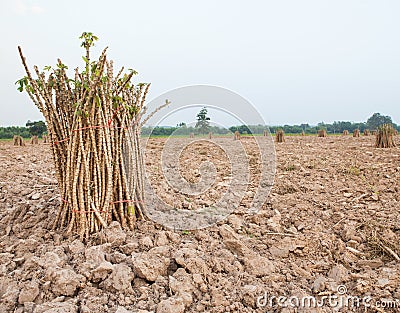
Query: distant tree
x=203, y=122
x=36, y=128
x=377, y=120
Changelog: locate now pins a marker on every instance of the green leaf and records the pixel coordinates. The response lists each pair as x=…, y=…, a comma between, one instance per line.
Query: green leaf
x=85, y=59
x=62, y=66
x=98, y=101
x=133, y=71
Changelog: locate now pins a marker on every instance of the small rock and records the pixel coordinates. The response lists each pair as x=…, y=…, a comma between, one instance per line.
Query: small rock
x=115, y=234
x=338, y=273
x=187, y=298
x=235, y=221
x=50, y=259
x=95, y=255
x=198, y=279
x=218, y=299
x=19, y=261
x=181, y=281
x=120, y=279
x=382, y=282
x=28, y=307
x=161, y=251
x=65, y=282
x=375, y=263
x=36, y=196
x=101, y=272
x=162, y=239
x=191, y=260
x=237, y=247
x=258, y=266
x=319, y=284
x=352, y=243
x=76, y=247
x=227, y=233
x=129, y=248
x=280, y=252
x=57, y=307
x=146, y=242
x=149, y=266
x=274, y=221
x=121, y=309
x=29, y=292
x=171, y=305
x=118, y=257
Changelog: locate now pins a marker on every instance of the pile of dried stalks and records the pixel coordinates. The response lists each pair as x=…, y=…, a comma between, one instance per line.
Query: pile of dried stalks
x=18, y=141
x=322, y=133
x=385, y=137
x=280, y=136
x=94, y=123
x=356, y=133
x=34, y=140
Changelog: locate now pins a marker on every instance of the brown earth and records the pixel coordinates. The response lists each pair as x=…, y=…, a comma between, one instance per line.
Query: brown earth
x=332, y=220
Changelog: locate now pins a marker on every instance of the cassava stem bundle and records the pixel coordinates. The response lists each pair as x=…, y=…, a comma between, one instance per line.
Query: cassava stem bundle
x=280, y=136
x=385, y=136
x=94, y=125
x=322, y=133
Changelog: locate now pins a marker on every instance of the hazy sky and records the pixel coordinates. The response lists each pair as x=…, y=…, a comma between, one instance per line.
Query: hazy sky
x=296, y=61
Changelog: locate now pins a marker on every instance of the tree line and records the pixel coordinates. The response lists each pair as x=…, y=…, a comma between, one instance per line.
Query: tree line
x=37, y=128
x=203, y=126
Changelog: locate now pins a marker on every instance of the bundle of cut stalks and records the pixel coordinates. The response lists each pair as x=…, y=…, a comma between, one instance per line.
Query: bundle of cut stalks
x=367, y=132
x=18, y=141
x=384, y=137
x=303, y=133
x=345, y=132
x=265, y=134
x=356, y=133
x=44, y=138
x=191, y=135
x=93, y=121
x=34, y=140
x=236, y=135
x=210, y=135
x=322, y=133
x=280, y=136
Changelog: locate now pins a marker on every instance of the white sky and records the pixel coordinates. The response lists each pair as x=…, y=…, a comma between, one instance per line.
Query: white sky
x=296, y=61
